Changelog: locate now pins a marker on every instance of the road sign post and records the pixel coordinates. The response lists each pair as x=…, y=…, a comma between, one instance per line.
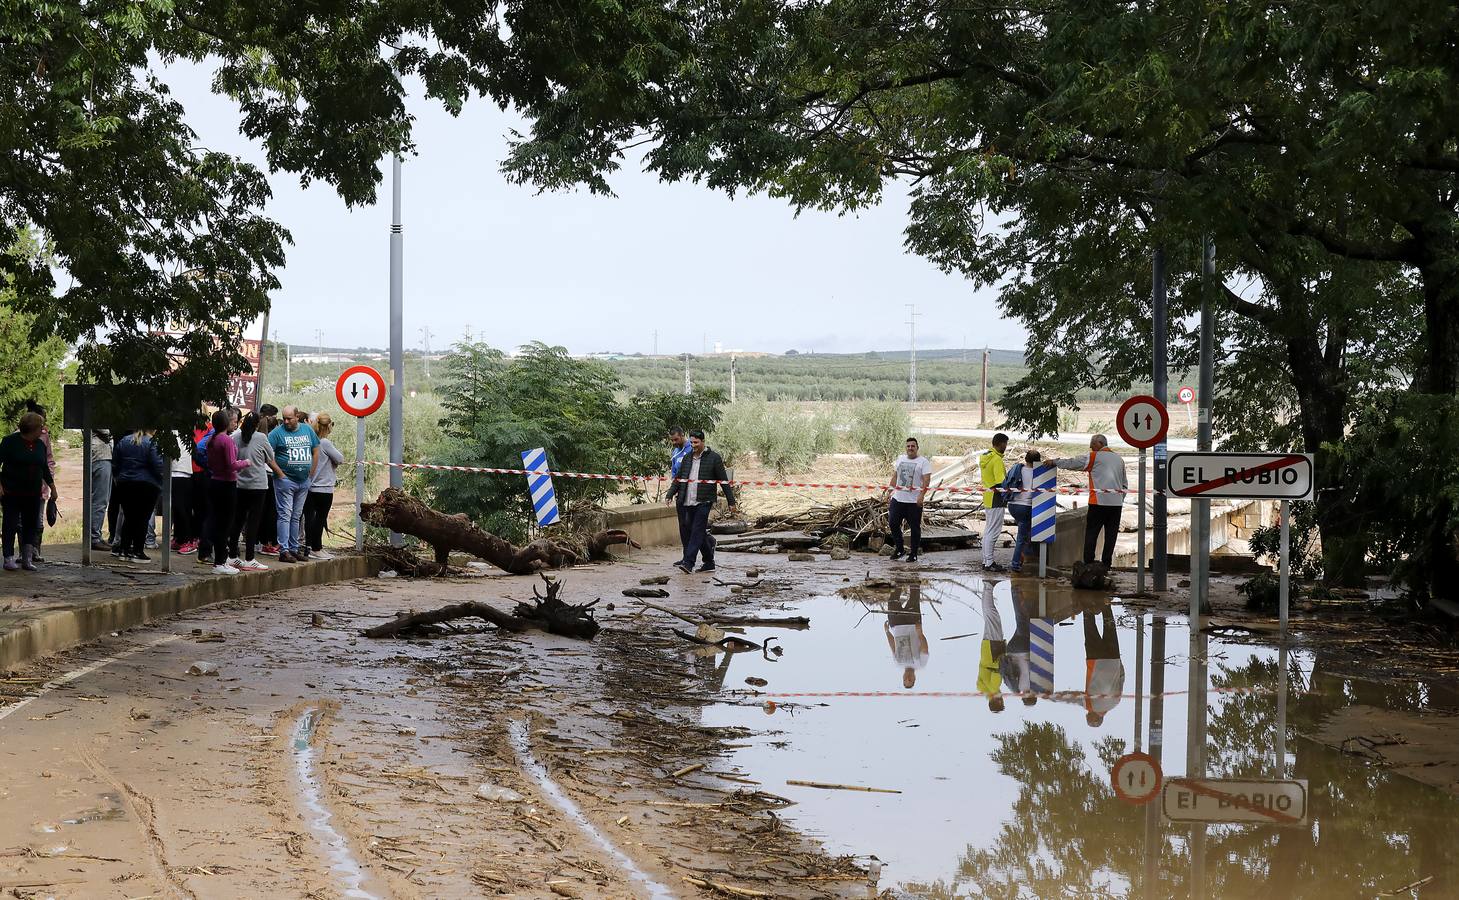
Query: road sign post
x=1143, y=422
x=360, y=391
x=1285, y=571
x=1140, y=527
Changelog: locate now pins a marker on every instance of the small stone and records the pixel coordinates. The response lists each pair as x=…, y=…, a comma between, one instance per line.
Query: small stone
x=802, y=557
x=840, y=554
x=756, y=682
x=735, y=589
x=752, y=573
x=886, y=550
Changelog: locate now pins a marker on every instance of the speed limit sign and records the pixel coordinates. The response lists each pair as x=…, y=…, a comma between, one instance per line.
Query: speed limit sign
x=1136, y=778
x=1186, y=395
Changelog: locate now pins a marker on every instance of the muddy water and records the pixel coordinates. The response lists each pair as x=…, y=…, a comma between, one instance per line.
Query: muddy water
x=1012, y=797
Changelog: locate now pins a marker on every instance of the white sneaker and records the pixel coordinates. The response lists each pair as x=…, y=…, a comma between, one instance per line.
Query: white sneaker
x=224, y=569
x=252, y=565
x=236, y=563
x=320, y=554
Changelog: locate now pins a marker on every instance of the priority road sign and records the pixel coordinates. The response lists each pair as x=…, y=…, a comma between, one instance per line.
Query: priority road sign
x=1235, y=800
x=360, y=391
x=1143, y=421
x=1247, y=476
x=1136, y=778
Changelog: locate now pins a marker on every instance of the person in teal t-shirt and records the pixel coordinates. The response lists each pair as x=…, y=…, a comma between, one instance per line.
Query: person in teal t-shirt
x=296, y=449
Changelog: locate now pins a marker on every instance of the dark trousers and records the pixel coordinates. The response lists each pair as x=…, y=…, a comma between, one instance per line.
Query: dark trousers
x=222, y=498
x=268, y=526
x=1107, y=520
x=910, y=513
x=21, y=518
x=182, y=510
x=202, y=520
x=247, y=516
x=1099, y=645
x=316, y=517
x=694, y=533
x=113, y=508
x=139, y=498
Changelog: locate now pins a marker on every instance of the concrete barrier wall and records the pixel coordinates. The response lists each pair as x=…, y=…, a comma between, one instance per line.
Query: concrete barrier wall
x=62, y=628
x=651, y=524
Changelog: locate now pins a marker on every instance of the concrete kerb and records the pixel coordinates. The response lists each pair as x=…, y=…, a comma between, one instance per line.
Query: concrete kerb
x=58, y=629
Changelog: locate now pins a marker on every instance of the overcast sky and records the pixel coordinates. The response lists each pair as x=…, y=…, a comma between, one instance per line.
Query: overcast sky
x=593, y=273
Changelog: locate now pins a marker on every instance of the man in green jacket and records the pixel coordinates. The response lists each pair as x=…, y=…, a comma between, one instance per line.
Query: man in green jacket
x=995, y=502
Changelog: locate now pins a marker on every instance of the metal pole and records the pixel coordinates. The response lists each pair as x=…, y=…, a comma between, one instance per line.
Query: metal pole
x=1285, y=575
x=983, y=403
x=1195, y=731
x=397, y=337
x=359, y=481
x=1043, y=558
x=1162, y=389
x=1201, y=509
x=165, y=539
x=288, y=369
x=86, y=496
x=688, y=388
x=1140, y=528
x=734, y=367
x=912, y=370
x=1282, y=712
x=1139, y=676
x=1157, y=744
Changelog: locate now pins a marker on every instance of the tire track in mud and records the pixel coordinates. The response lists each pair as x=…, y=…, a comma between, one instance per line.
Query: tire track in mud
x=145, y=811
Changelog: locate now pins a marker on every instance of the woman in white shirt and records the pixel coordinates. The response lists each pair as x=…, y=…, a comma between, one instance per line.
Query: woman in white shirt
x=321, y=490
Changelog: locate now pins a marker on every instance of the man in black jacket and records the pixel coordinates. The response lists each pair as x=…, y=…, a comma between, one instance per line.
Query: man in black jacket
x=696, y=499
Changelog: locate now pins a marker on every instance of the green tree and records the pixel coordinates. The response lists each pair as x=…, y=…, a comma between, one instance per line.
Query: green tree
x=32, y=369
x=880, y=430
x=497, y=407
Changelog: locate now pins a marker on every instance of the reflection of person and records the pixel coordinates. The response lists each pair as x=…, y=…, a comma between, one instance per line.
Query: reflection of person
x=1105, y=678
x=1014, y=664
x=903, y=628
x=995, y=501
x=911, y=474
x=990, y=682
x=1107, y=488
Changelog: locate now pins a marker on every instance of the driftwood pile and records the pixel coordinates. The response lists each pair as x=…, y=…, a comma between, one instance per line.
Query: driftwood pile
x=398, y=511
x=549, y=613
x=855, y=525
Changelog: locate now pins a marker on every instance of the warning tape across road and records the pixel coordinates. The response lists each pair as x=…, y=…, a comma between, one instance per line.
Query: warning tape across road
x=664, y=479
x=1046, y=695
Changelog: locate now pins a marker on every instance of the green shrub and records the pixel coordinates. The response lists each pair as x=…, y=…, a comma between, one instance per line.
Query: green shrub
x=783, y=437
x=880, y=430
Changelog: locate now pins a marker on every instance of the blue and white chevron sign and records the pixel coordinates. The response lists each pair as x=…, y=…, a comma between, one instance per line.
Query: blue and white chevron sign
x=1041, y=656
x=544, y=499
x=1045, y=503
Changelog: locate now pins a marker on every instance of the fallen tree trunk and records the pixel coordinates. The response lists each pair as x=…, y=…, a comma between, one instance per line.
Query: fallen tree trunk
x=398, y=511
x=549, y=613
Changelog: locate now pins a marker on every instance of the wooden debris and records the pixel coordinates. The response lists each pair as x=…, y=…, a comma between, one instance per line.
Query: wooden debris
x=729, y=889
x=658, y=593
x=549, y=614
x=827, y=786
x=687, y=769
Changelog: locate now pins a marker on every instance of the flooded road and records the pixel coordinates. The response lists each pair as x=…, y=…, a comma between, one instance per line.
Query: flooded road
x=1011, y=795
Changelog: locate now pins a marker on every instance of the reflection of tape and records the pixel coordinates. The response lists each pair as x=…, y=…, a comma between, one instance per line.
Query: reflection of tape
x=662, y=479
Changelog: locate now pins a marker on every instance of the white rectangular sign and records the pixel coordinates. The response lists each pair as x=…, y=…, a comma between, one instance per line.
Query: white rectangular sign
x=1249, y=476
x=1252, y=801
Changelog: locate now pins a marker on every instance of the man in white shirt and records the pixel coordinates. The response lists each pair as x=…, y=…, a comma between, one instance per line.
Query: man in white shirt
x=911, y=477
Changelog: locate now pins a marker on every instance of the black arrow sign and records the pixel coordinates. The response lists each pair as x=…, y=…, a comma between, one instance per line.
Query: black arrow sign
x=355, y=389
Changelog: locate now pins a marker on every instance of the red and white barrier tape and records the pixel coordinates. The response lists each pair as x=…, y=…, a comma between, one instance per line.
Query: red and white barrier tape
x=1056, y=695
x=661, y=479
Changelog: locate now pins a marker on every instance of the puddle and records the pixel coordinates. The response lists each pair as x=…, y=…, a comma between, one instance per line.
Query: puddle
x=522, y=744
x=341, y=861
x=1011, y=796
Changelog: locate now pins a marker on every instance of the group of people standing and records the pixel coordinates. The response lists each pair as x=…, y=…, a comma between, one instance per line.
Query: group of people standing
x=250, y=484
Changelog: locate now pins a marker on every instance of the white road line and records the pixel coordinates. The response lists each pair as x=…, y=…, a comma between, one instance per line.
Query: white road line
x=17, y=706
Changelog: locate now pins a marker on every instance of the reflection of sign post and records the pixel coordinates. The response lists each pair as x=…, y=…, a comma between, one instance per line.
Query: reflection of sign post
x=1142, y=422
x=359, y=391
x=1235, y=801
x=1251, y=476
x=1136, y=778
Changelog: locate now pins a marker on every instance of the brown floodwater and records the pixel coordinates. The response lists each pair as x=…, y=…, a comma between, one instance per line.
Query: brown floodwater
x=1011, y=796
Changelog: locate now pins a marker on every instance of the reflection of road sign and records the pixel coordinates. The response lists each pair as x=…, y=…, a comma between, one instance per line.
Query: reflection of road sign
x=544, y=498
x=1252, y=476
x=1136, y=778
x=1041, y=655
x=1234, y=800
x=1143, y=421
x=1045, y=503
x=360, y=391
x=1186, y=395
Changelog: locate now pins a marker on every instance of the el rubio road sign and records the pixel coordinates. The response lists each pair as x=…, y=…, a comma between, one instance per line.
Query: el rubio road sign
x=360, y=391
x=1246, y=476
x=1143, y=421
x=1136, y=778
x=1235, y=800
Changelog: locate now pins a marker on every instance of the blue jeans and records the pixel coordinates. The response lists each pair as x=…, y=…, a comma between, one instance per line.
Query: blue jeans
x=289, y=497
x=100, y=496
x=1023, y=515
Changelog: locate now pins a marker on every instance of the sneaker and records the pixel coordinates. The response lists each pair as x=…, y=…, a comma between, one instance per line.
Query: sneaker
x=224, y=569
x=252, y=565
x=188, y=547
x=683, y=568
x=139, y=556
x=11, y=565
x=271, y=549
x=321, y=555
x=911, y=557
x=286, y=556
x=151, y=544
x=35, y=557
x=994, y=567
x=301, y=555
x=896, y=555
x=101, y=546
x=236, y=562
x=705, y=569
x=205, y=559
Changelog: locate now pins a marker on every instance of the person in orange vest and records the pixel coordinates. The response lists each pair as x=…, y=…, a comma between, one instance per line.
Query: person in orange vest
x=1107, y=489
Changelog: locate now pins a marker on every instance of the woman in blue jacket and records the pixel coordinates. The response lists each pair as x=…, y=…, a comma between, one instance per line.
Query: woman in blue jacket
x=137, y=472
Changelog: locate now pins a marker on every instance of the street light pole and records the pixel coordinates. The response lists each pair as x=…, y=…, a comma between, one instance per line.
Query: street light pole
x=1162, y=390
x=397, y=336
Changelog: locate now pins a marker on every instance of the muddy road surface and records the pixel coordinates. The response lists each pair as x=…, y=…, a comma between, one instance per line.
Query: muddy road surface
x=932, y=734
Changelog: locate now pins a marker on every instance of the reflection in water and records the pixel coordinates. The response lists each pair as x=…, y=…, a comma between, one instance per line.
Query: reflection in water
x=1017, y=802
